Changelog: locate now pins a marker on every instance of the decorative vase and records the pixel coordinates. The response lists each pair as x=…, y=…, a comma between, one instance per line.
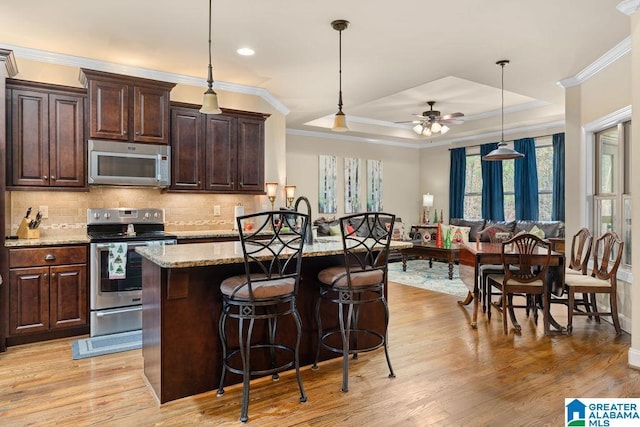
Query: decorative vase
x=435, y=216
x=439, y=236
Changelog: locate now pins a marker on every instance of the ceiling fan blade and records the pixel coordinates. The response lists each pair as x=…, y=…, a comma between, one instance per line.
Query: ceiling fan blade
x=409, y=121
x=451, y=122
x=452, y=116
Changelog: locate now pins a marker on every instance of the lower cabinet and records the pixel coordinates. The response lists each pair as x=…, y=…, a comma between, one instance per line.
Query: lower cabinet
x=47, y=289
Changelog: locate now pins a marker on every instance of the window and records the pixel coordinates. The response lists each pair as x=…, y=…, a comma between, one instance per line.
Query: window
x=473, y=183
x=612, y=195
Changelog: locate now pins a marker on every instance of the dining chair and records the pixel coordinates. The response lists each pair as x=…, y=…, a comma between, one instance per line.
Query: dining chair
x=607, y=254
x=266, y=292
x=580, y=252
x=360, y=281
x=525, y=260
x=494, y=233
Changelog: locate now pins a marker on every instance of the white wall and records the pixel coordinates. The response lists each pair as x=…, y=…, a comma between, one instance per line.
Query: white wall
x=401, y=180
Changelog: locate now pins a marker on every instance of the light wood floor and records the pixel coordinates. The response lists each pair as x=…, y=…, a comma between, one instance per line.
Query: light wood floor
x=447, y=375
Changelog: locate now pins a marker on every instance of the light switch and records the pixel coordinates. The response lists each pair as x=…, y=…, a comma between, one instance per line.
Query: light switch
x=216, y=210
x=44, y=210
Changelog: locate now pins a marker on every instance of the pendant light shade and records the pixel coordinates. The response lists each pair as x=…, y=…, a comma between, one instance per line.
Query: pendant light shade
x=502, y=152
x=210, y=99
x=340, y=121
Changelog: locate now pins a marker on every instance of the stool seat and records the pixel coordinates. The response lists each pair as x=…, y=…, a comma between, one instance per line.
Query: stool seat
x=337, y=277
x=238, y=286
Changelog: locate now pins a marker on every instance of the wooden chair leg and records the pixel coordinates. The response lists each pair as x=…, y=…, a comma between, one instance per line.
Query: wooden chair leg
x=570, y=306
x=614, y=312
x=594, y=306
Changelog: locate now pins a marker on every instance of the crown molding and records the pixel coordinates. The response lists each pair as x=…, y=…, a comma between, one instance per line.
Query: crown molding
x=628, y=7
x=11, y=67
x=615, y=53
x=428, y=144
x=145, y=73
x=609, y=120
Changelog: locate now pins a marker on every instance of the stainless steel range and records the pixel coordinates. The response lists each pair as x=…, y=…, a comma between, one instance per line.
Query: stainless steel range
x=116, y=269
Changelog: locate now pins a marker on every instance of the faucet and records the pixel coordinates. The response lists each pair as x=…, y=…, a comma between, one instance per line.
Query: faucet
x=308, y=238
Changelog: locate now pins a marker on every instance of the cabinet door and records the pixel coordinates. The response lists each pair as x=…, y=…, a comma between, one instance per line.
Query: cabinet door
x=151, y=115
x=187, y=153
x=250, y=155
x=220, y=153
x=109, y=110
x=66, y=140
x=68, y=296
x=29, y=138
x=28, y=300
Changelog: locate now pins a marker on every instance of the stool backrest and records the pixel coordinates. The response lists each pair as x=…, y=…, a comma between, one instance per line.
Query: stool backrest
x=607, y=254
x=366, y=238
x=272, y=248
x=581, y=250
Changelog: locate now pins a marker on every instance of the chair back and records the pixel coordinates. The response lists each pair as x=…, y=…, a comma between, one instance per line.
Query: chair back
x=607, y=255
x=581, y=250
x=522, y=259
x=366, y=238
x=272, y=249
x=495, y=233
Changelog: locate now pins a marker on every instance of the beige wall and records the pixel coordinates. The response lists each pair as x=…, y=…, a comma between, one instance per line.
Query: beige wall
x=401, y=187
x=67, y=210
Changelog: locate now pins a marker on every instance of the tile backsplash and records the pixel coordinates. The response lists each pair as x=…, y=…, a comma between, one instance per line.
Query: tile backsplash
x=183, y=211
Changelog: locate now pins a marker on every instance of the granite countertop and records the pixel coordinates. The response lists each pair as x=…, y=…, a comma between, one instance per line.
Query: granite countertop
x=70, y=239
x=204, y=254
x=204, y=234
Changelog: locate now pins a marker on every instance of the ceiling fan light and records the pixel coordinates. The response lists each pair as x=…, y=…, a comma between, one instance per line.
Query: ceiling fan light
x=340, y=122
x=426, y=131
x=435, y=127
x=444, y=129
x=418, y=128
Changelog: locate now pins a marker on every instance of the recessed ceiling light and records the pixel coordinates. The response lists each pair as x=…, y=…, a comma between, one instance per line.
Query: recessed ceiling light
x=245, y=51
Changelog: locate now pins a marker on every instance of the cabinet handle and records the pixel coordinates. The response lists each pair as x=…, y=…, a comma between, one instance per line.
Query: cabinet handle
x=49, y=257
x=137, y=133
x=53, y=177
x=53, y=274
x=45, y=177
x=125, y=132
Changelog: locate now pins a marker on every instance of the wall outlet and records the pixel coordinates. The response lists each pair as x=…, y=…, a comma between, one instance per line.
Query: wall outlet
x=216, y=210
x=45, y=211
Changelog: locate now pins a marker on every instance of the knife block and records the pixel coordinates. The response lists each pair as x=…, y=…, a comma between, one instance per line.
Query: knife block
x=24, y=232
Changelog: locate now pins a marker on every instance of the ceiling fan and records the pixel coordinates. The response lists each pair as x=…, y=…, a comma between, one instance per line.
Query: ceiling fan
x=432, y=122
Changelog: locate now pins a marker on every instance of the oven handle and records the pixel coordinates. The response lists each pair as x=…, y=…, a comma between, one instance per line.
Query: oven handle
x=118, y=311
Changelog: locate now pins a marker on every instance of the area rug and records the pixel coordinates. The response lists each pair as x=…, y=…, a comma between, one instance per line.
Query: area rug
x=436, y=279
x=106, y=344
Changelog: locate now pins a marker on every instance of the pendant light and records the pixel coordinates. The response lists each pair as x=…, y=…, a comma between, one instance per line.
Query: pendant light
x=340, y=121
x=210, y=99
x=502, y=152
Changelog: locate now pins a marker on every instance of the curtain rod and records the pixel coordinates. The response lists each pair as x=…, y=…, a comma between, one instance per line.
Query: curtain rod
x=510, y=140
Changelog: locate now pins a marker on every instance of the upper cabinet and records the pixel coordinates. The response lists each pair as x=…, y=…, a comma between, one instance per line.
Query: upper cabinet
x=221, y=153
x=124, y=108
x=45, y=131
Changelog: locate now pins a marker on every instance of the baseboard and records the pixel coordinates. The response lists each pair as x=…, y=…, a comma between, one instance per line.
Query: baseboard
x=634, y=358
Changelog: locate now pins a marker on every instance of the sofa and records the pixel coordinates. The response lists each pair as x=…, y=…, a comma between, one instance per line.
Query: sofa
x=550, y=229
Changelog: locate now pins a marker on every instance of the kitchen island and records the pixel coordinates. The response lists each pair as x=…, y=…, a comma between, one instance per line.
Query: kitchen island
x=181, y=305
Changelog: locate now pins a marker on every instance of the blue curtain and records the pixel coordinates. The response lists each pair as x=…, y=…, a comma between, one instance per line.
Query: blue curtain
x=492, y=197
x=557, y=205
x=457, y=182
x=525, y=180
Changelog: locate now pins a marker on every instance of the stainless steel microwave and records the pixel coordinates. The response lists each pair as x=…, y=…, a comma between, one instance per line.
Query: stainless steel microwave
x=122, y=163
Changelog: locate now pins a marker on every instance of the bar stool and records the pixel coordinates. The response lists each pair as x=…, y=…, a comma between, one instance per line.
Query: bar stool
x=267, y=291
x=360, y=281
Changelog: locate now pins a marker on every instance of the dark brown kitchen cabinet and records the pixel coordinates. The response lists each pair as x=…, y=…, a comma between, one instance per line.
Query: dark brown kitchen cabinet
x=221, y=153
x=47, y=290
x=46, y=136
x=125, y=108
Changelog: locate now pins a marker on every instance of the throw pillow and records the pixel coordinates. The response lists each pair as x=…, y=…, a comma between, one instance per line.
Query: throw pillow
x=537, y=232
x=459, y=234
x=334, y=230
x=350, y=229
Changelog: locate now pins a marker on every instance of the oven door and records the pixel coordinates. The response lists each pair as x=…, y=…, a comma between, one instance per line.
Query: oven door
x=109, y=292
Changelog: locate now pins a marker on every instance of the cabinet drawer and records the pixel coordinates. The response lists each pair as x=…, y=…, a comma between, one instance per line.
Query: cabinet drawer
x=29, y=257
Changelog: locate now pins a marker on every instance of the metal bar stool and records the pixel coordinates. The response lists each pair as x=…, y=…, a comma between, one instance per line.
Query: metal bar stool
x=361, y=280
x=267, y=291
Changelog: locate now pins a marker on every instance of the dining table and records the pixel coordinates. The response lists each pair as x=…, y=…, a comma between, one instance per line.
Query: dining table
x=473, y=255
